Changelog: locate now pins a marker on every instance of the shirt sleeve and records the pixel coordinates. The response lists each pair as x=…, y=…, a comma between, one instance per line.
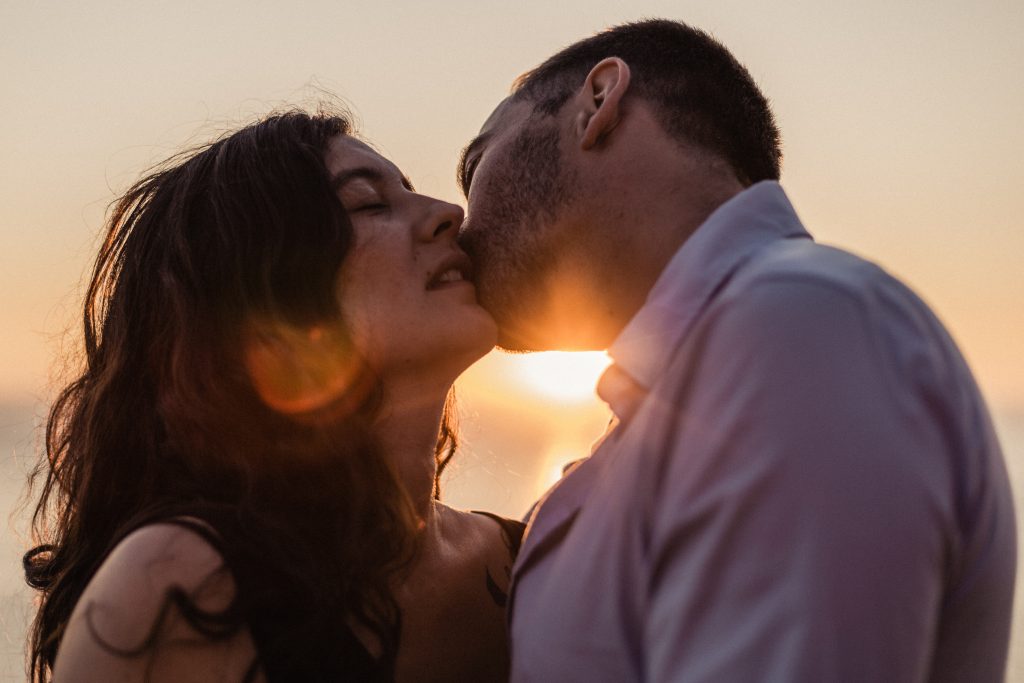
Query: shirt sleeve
x=798, y=528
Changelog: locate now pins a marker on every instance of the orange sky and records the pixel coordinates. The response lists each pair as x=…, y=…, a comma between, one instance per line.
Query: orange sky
x=901, y=126
x=901, y=129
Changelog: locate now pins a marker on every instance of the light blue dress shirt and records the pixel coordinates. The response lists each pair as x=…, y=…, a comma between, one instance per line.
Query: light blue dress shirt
x=809, y=490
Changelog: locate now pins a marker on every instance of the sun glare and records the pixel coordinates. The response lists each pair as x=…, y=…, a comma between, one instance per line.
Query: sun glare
x=562, y=376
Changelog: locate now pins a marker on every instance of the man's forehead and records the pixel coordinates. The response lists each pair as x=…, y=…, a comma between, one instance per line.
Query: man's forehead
x=506, y=116
x=508, y=112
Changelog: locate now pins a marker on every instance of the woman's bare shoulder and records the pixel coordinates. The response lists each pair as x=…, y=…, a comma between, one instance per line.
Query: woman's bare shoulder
x=488, y=537
x=127, y=602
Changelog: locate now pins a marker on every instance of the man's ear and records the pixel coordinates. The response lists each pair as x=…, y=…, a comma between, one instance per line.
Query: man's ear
x=600, y=101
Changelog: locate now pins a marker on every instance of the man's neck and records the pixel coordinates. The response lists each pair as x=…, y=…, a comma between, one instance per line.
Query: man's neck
x=596, y=290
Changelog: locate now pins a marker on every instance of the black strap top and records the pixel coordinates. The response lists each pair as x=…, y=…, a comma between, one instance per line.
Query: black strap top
x=351, y=656
x=512, y=530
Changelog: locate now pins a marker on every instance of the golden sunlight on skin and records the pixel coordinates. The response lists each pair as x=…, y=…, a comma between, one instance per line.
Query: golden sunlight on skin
x=563, y=376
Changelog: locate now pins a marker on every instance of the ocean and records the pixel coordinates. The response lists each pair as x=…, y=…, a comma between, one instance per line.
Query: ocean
x=18, y=438
x=17, y=454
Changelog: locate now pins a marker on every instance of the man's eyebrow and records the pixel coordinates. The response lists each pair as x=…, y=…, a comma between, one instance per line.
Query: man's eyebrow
x=462, y=172
x=365, y=173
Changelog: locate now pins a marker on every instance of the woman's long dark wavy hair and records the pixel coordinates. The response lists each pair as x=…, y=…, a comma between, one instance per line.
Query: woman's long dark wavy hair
x=164, y=419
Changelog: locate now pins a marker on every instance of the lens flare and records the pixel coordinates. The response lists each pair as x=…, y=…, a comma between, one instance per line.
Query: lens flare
x=306, y=373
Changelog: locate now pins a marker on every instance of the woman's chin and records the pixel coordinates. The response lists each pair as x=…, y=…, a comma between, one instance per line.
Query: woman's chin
x=477, y=334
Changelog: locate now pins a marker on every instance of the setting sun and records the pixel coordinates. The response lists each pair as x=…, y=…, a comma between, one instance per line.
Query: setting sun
x=562, y=376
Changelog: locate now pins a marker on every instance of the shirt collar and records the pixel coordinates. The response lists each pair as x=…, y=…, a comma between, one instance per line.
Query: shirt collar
x=755, y=217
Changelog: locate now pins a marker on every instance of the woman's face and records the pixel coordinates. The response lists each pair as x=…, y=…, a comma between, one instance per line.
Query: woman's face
x=404, y=287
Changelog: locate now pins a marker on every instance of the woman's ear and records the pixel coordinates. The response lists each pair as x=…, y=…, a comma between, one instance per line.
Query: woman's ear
x=600, y=101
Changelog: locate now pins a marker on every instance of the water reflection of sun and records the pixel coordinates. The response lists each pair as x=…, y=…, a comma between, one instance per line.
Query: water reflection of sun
x=561, y=376
x=525, y=416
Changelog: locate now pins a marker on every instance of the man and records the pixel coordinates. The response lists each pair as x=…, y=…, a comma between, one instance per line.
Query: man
x=804, y=484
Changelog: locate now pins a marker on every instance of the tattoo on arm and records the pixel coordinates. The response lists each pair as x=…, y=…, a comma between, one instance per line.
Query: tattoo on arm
x=499, y=596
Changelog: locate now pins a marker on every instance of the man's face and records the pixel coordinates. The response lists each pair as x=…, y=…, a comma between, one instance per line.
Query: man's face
x=518, y=191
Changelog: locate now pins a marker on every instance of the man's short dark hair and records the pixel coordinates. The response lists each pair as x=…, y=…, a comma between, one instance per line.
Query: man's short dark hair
x=702, y=95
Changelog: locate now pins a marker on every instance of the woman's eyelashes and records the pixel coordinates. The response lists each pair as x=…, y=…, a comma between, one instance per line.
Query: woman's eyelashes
x=362, y=196
x=364, y=202
x=369, y=206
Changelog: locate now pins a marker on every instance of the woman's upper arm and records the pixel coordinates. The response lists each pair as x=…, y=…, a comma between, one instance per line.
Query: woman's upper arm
x=127, y=601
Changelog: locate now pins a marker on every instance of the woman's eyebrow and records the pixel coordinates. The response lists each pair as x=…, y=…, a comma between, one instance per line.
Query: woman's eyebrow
x=365, y=173
x=359, y=173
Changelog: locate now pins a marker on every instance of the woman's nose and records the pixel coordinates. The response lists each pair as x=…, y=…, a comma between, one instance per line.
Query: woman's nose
x=442, y=221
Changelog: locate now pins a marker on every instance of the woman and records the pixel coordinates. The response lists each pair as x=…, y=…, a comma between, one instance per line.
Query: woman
x=242, y=482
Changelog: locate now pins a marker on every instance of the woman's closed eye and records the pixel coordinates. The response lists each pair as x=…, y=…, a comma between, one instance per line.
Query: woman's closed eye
x=359, y=196
x=368, y=206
